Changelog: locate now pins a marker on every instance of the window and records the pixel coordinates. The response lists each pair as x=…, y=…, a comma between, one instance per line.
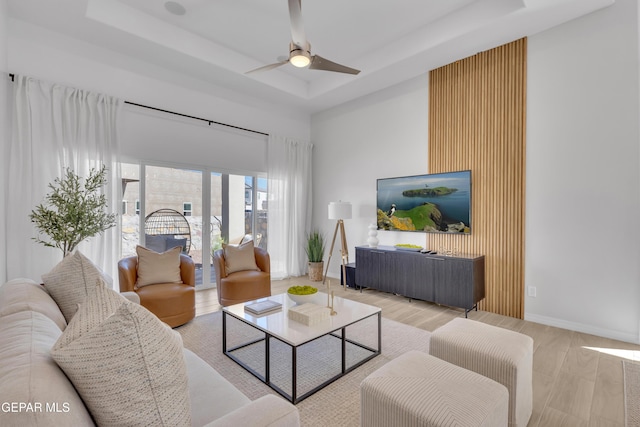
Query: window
x=248, y=195
x=124, y=207
x=186, y=208
x=138, y=207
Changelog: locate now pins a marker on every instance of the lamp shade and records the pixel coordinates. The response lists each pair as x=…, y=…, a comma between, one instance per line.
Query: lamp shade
x=339, y=210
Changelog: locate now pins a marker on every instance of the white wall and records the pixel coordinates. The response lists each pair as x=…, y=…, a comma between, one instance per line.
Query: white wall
x=583, y=174
x=583, y=198
x=378, y=136
x=4, y=132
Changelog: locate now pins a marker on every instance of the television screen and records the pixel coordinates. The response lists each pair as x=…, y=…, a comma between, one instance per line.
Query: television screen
x=433, y=203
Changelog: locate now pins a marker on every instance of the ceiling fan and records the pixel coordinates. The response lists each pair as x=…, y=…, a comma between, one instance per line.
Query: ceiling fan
x=300, y=49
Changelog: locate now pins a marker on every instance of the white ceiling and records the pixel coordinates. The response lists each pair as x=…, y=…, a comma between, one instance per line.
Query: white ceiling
x=217, y=41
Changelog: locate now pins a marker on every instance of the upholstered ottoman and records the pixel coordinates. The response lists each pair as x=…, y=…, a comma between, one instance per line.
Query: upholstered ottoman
x=497, y=353
x=417, y=389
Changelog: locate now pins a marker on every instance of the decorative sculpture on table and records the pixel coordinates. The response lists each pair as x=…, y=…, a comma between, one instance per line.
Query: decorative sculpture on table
x=373, y=236
x=333, y=312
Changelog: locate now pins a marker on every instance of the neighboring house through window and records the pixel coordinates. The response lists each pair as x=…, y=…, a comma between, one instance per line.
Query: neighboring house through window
x=186, y=208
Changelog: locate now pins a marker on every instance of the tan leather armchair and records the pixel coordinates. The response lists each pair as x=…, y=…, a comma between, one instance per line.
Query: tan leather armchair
x=245, y=285
x=173, y=303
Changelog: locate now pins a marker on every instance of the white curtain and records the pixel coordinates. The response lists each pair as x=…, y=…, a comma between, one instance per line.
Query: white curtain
x=6, y=103
x=289, y=186
x=55, y=128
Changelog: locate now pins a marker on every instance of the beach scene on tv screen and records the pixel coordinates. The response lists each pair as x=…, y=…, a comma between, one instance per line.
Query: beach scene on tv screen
x=436, y=203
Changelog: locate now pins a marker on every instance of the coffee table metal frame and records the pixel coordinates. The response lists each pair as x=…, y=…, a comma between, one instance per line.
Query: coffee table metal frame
x=268, y=335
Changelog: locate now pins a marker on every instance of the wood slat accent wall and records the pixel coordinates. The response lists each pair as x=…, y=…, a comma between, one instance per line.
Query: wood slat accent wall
x=477, y=117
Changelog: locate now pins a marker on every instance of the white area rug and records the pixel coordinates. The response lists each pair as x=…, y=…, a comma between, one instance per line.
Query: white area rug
x=631, y=393
x=338, y=404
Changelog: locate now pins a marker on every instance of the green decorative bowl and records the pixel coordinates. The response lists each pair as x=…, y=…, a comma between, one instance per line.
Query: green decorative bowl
x=302, y=294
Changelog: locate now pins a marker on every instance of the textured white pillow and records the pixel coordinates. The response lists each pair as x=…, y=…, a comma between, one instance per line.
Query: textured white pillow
x=128, y=368
x=101, y=303
x=156, y=267
x=239, y=258
x=70, y=282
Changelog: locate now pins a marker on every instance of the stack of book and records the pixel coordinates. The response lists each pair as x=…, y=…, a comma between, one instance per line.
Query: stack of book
x=261, y=307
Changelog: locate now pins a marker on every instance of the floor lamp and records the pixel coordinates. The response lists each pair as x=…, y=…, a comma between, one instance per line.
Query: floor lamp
x=339, y=211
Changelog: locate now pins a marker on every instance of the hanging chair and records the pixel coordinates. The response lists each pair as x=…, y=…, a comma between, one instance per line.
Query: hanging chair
x=165, y=229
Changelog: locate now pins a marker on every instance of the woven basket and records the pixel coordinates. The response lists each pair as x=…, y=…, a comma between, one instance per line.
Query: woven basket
x=315, y=271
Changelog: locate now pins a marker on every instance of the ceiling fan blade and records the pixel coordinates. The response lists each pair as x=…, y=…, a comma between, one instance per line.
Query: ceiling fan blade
x=297, y=29
x=320, y=63
x=268, y=67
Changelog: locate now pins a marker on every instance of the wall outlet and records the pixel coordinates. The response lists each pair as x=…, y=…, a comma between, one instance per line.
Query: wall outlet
x=532, y=291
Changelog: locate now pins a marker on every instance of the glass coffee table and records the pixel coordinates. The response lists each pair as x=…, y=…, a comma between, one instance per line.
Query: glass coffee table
x=297, y=360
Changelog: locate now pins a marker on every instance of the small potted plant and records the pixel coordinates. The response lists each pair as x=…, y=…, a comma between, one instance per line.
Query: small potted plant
x=315, y=254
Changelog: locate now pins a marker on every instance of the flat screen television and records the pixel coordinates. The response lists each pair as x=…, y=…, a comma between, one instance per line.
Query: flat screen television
x=432, y=203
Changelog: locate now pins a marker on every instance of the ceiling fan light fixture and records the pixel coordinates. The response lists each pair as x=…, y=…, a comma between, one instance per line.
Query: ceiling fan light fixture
x=300, y=60
x=298, y=56
x=300, y=49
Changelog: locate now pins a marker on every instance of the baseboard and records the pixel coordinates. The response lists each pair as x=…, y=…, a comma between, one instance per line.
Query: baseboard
x=580, y=327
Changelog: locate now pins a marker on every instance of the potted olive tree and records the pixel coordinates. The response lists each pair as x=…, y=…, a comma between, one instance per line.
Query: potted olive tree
x=315, y=254
x=73, y=211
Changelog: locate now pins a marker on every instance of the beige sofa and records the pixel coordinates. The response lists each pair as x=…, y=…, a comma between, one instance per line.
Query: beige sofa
x=34, y=391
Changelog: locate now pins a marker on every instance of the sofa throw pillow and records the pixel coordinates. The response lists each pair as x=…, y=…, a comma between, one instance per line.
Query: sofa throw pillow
x=129, y=368
x=156, y=267
x=70, y=282
x=239, y=258
x=101, y=303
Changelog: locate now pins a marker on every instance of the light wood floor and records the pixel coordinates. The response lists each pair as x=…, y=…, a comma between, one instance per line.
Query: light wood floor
x=576, y=379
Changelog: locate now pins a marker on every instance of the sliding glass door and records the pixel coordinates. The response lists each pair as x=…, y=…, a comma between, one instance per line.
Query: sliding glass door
x=130, y=209
x=174, y=206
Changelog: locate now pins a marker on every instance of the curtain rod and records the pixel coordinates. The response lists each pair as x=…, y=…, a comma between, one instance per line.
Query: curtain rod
x=184, y=115
x=196, y=118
